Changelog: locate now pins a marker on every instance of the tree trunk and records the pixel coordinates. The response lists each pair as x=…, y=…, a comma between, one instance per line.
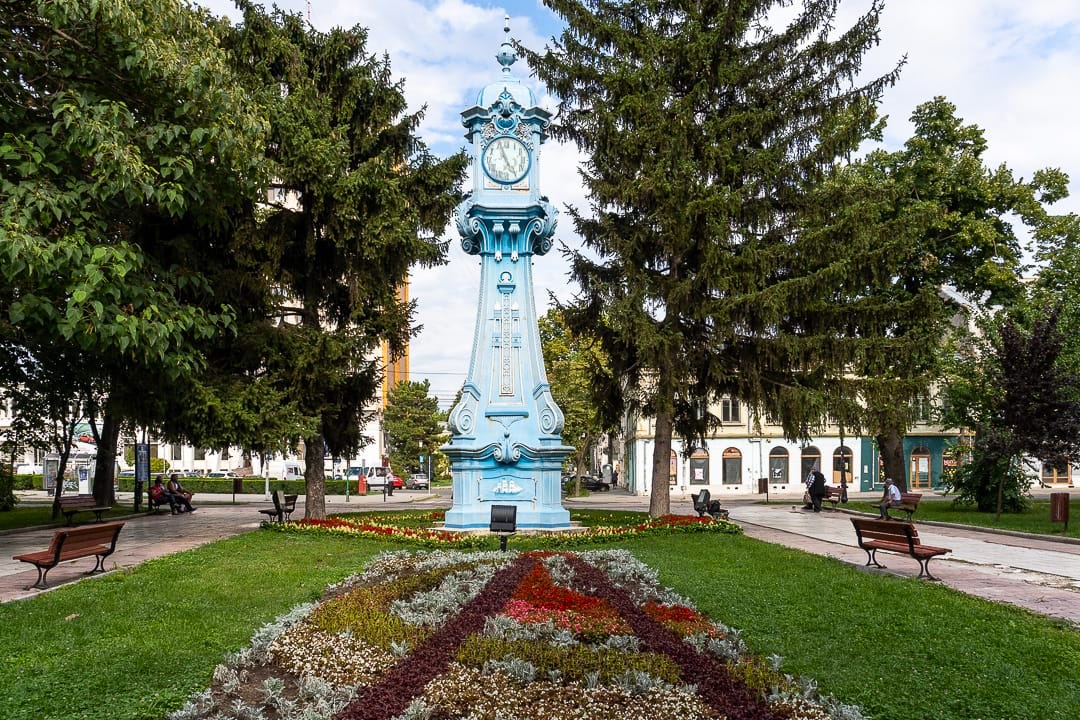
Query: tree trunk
x=660, y=492
x=891, y=446
x=105, y=463
x=315, y=478
x=64, y=446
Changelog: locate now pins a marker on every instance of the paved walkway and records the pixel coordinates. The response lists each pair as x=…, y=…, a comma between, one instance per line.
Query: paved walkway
x=1034, y=572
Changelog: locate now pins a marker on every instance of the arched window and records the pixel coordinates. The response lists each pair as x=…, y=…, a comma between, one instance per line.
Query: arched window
x=811, y=456
x=778, y=466
x=732, y=467
x=699, y=467
x=841, y=465
x=919, y=471
x=673, y=473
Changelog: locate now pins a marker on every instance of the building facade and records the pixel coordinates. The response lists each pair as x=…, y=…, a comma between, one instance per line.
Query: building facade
x=747, y=455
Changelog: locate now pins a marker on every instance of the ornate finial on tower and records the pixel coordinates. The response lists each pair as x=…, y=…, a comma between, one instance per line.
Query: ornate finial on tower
x=506, y=56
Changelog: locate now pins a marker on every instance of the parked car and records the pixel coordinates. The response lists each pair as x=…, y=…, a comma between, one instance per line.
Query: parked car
x=222, y=474
x=594, y=484
x=591, y=483
x=418, y=481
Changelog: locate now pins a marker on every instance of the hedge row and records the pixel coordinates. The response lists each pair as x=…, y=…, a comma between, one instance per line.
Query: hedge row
x=248, y=486
x=245, y=486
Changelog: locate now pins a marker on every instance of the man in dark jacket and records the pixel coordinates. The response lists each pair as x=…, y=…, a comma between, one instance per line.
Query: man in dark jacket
x=817, y=489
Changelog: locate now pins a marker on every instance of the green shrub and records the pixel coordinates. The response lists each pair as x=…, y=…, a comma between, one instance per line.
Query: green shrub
x=248, y=485
x=27, y=482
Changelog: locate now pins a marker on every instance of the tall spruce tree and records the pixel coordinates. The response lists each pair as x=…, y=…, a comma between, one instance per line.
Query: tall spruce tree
x=414, y=426
x=715, y=264
x=359, y=201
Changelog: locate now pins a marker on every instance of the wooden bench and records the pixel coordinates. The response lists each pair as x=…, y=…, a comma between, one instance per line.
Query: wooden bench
x=153, y=505
x=72, y=505
x=833, y=494
x=909, y=503
x=898, y=537
x=72, y=544
x=283, y=507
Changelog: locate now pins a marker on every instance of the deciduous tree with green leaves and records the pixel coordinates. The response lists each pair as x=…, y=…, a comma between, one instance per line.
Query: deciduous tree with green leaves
x=708, y=133
x=358, y=200
x=959, y=218
x=414, y=425
x=571, y=362
x=126, y=145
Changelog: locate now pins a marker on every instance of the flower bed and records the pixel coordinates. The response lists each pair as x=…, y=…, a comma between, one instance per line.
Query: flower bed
x=448, y=635
x=415, y=529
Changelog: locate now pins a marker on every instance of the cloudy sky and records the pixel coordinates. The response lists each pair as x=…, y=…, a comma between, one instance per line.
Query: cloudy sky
x=1011, y=67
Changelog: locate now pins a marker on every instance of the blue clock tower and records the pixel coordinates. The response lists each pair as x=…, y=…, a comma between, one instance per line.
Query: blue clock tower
x=506, y=443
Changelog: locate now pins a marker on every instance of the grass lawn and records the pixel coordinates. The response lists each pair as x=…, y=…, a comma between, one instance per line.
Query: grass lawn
x=26, y=515
x=859, y=634
x=1036, y=519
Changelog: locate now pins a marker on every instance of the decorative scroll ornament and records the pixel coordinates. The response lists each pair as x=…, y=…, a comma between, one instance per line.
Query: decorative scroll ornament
x=469, y=227
x=463, y=416
x=551, y=418
x=540, y=230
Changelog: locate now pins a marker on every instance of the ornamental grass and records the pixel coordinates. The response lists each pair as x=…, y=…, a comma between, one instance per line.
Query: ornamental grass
x=448, y=635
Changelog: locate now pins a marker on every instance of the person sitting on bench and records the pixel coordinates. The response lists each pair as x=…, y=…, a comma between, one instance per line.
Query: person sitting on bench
x=159, y=495
x=891, y=498
x=180, y=495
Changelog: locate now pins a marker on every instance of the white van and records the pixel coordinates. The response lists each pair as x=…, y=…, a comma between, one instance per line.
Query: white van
x=286, y=470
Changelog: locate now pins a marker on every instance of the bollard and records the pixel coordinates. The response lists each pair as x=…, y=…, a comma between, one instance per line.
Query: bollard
x=1059, y=508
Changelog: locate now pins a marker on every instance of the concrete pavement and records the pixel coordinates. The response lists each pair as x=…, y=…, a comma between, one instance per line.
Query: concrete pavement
x=1035, y=572
x=146, y=535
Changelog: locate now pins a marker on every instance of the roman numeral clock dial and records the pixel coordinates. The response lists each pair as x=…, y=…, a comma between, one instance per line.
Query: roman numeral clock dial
x=506, y=160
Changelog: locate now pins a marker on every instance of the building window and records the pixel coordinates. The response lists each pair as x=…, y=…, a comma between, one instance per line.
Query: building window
x=778, y=466
x=732, y=467
x=923, y=409
x=200, y=453
x=177, y=452
x=699, y=467
x=841, y=465
x=1056, y=473
x=729, y=410
x=225, y=454
x=811, y=458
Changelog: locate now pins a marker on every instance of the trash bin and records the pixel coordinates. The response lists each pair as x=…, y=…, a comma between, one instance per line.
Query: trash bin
x=238, y=486
x=1059, y=507
x=763, y=485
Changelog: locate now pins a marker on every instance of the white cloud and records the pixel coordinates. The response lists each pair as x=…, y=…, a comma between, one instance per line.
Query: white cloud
x=1010, y=67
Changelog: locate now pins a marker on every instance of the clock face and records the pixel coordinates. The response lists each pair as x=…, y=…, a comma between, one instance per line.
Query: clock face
x=506, y=160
